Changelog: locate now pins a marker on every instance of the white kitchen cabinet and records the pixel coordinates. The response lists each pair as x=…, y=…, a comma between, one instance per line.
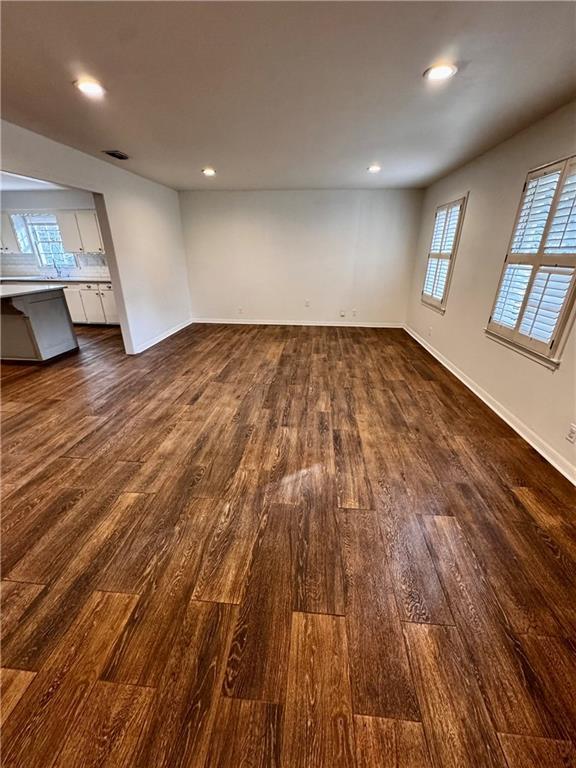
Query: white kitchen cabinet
x=9, y=243
x=75, y=306
x=69, y=231
x=80, y=231
x=92, y=305
x=89, y=232
x=98, y=304
x=109, y=304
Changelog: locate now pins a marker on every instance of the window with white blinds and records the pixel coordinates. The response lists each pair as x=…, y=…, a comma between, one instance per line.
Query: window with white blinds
x=447, y=226
x=536, y=291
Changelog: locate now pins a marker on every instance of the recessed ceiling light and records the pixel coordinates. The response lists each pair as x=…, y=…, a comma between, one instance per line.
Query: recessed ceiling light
x=90, y=87
x=441, y=72
x=208, y=171
x=374, y=168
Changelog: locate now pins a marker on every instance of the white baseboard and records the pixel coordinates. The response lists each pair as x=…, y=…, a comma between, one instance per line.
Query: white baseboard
x=327, y=323
x=156, y=339
x=544, y=449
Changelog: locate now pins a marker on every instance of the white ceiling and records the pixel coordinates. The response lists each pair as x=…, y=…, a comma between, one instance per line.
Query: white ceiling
x=286, y=95
x=10, y=182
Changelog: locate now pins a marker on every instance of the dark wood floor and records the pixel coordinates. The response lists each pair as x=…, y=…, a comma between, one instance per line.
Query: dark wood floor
x=270, y=546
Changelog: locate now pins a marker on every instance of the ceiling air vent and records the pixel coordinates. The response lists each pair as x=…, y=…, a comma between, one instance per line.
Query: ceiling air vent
x=116, y=154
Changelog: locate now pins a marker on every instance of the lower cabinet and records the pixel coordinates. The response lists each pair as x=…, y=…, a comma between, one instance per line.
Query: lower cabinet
x=92, y=303
x=109, y=304
x=75, y=306
x=92, y=306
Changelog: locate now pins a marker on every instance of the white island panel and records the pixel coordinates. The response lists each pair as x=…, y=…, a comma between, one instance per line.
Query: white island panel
x=36, y=323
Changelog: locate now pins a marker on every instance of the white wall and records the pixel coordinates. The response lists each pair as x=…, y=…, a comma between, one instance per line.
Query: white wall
x=148, y=267
x=49, y=199
x=269, y=252
x=539, y=402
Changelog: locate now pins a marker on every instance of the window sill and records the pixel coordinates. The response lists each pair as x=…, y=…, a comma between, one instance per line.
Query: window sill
x=547, y=362
x=436, y=307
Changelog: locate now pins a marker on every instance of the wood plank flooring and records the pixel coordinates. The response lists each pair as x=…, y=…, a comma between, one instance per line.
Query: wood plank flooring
x=278, y=547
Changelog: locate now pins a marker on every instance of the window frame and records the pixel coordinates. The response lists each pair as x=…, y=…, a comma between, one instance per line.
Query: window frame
x=547, y=353
x=429, y=301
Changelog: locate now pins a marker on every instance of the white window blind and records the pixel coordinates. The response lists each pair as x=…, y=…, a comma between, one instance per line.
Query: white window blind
x=447, y=225
x=536, y=289
x=438, y=234
x=534, y=213
x=562, y=233
x=511, y=294
x=545, y=301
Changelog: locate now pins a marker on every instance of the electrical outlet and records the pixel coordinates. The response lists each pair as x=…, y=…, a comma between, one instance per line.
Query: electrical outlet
x=342, y=313
x=353, y=313
x=307, y=303
x=571, y=436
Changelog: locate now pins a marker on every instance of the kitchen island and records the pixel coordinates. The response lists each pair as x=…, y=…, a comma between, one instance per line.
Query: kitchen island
x=35, y=323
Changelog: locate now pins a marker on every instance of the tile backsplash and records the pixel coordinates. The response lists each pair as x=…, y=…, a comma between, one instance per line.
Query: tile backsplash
x=26, y=265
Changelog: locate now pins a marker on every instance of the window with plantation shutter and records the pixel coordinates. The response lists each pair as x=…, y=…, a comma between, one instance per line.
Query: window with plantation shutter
x=445, y=237
x=535, y=296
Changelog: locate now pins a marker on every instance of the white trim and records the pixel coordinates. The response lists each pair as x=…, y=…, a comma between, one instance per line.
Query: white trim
x=544, y=449
x=327, y=323
x=548, y=362
x=135, y=350
x=436, y=307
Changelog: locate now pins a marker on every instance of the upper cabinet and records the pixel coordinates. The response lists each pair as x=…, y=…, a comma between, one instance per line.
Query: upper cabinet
x=89, y=232
x=8, y=242
x=80, y=232
x=69, y=232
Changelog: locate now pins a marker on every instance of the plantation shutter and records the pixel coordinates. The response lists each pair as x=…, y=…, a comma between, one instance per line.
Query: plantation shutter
x=445, y=236
x=511, y=294
x=537, y=284
x=562, y=233
x=534, y=212
x=545, y=302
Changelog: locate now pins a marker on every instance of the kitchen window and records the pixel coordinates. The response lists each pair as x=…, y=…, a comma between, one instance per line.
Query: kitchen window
x=39, y=233
x=535, y=296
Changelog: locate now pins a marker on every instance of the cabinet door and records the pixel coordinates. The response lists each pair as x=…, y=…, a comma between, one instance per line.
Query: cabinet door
x=69, y=231
x=92, y=306
x=109, y=304
x=89, y=231
x=75, y=306
x=9, y=242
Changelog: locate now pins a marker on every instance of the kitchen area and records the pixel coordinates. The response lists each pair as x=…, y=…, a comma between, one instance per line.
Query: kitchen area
x=51, y=244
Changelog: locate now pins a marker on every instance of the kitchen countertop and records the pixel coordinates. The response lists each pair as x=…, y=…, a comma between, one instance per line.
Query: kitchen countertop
x=51, y=280
x=19, y=289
